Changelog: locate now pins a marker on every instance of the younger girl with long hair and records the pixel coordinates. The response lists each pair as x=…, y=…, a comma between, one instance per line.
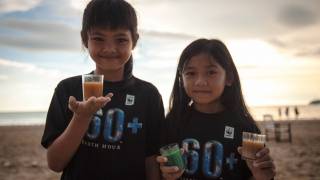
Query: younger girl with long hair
x=207, y=115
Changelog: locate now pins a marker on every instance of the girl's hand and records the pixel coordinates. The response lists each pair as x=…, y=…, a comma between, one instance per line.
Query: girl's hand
x=86, y=109
x=263, y=167
x=168, y=172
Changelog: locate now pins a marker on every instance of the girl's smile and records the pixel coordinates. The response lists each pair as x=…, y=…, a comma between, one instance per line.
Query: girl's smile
x=111, y=50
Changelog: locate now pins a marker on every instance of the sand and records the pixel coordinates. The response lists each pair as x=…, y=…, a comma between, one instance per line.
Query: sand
x=22, y=157
x=301, y=158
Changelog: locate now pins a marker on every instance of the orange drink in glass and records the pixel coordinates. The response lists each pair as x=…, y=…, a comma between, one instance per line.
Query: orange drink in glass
x=92, y=85
x=251, y=144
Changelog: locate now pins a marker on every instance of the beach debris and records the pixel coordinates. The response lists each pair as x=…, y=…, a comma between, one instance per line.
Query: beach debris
x=7, y=164
x=34, y=164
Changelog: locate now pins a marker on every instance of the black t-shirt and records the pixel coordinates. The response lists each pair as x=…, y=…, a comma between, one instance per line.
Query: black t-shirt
x=212, y=141
x=116, y=143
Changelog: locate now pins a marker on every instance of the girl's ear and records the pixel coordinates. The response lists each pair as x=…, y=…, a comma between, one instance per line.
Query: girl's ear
x=84, y=38
x=181, y=81
x=229, y=80
x=86, y=44
x=135, y=40
x=228, y=83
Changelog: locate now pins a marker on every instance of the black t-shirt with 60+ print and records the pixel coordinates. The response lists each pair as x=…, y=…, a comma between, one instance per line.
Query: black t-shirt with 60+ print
x=118, y=141
x=211, y=142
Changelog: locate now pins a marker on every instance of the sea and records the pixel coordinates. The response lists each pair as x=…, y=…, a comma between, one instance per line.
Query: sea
x=306, y=112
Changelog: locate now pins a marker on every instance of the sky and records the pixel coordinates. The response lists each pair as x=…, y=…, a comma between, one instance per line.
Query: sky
x=275, y=46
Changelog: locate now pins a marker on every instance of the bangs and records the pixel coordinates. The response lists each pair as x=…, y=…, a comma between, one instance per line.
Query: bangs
x=110, y=15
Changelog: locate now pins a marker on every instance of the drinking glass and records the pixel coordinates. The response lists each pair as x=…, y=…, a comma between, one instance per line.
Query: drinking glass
x=173, y=154
x=92, y=85
x=251, y=144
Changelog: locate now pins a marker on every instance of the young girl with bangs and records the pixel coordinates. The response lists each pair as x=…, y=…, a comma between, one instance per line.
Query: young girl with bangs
x=122, y=141
x=207, y=115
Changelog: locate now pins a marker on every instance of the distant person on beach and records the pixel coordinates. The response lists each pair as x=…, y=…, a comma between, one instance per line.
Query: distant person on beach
x=122, y=141
x=279, y=112
x=207, y=115
x=296, y=112
x=287, y=112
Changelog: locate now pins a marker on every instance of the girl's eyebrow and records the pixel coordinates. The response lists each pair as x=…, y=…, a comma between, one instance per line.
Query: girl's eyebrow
x=209, y=66
x=121, y=35
x=212, y=66
x=97, y=33
x=188, y=68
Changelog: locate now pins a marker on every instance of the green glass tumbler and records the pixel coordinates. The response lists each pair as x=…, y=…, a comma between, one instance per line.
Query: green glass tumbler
x=173, y=154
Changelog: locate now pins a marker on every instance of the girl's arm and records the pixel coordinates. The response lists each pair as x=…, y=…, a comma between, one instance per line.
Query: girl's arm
x=63, y=148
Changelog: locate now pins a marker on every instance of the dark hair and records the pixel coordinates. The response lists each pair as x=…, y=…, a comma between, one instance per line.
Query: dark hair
x=111, y=14
x=231, y=98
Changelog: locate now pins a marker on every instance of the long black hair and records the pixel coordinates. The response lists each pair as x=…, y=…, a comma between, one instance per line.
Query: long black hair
x=232, y=98
x=110, y=14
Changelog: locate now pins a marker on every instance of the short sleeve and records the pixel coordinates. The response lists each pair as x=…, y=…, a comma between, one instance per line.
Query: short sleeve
x=154, y=123
x=56, y=120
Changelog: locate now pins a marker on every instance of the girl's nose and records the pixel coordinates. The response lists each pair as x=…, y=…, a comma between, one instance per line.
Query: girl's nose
x=109, y=48
x=201, y=81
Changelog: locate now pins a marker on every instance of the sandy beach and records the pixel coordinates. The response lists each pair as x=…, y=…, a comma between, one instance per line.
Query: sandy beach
x=22, y=157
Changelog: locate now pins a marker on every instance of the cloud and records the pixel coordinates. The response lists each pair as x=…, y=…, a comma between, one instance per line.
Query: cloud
x=14, y=66
x=297, y=16
x=159, y=34
x=7, y=6
x=39, y=35
x=79, y=5
x=302, y=42
x=314, y=52
x=26, y=86
x=298, y=48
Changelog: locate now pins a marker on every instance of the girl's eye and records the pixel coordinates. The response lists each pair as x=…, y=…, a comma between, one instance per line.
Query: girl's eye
x=122, y=40
x=189, y=73
x=211, y=72
x=97, y=39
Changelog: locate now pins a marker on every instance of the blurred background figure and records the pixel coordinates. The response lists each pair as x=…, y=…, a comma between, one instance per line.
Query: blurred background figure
x=279, y=112
x=296, y=112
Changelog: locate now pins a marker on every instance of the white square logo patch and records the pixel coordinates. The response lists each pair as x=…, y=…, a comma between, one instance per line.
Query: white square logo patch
x=229, y=132
x=129, y=100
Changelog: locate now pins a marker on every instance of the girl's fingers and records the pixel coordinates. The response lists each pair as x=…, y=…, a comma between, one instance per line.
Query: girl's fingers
x=239, y=150
x=172, y=175
x=92, y=100
x=264, y=164
x=168, y=172
x=266, y=157
x=161, y=159
x=182, y=150
x=73, y=105
x=169, y=169
x=97, y=103
x=102, y=101
x=264, y=151
x=109, y=95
